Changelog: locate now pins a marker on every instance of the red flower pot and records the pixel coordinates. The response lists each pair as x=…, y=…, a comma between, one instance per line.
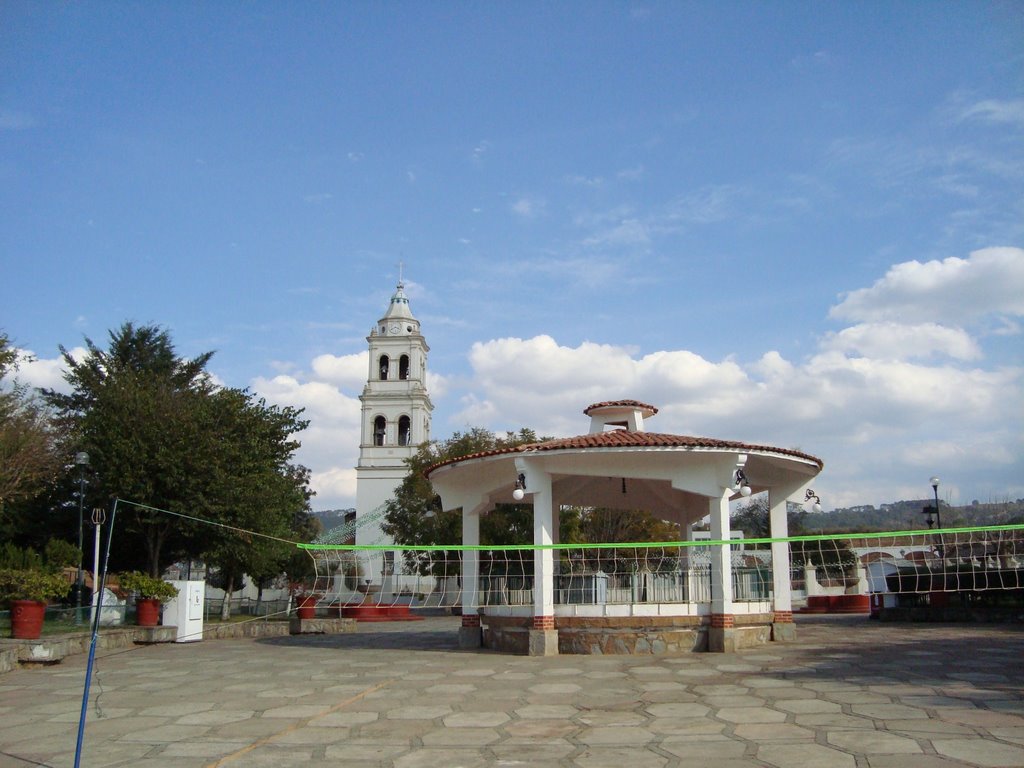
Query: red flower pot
x=147, y=612
x=27, y=619
x=307, y=607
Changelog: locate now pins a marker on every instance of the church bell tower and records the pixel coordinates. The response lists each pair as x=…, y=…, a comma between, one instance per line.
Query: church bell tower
x=395, y=415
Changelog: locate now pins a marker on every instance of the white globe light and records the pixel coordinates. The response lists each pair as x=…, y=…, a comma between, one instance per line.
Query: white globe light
x=518, y=494
x=816, y=507
x=745, y=490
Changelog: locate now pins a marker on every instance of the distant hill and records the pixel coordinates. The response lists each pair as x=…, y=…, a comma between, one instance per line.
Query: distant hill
x=896, y=516
x=908, y=515
x=332, y=518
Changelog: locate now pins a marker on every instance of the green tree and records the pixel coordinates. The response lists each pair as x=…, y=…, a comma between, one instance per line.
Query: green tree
x=30, y=453
x=160, y=433
x=414, y=516
x=753, y=518
x=253, y=486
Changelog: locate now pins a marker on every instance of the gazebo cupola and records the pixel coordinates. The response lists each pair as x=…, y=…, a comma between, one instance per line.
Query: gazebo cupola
x=619, y=414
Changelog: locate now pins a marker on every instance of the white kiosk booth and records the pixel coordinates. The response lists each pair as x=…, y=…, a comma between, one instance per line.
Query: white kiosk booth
x=186, y=610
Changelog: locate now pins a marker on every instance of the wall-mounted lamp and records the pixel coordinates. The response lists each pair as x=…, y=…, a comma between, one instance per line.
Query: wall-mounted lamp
x=740, y=482
x=816, y=507
x=520, y=489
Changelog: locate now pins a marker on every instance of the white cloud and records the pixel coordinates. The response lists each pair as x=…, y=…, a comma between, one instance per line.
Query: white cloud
x=330, y=445
x=346, y=371
x=954, y=290
x=996, y=111
x=480, y=150
x=628, y=233
x=893, y=341
x=45, y=373
x=318, y=197
x=13, y=120
x=528, y=208
x=707, y=205
x=579, y=180
x=877, y=417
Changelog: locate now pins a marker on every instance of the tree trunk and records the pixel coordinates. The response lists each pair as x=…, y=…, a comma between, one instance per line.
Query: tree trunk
x=229, y=587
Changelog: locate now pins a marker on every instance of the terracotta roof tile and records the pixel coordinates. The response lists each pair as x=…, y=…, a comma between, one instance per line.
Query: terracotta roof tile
x=621, y=404
x=621, y=438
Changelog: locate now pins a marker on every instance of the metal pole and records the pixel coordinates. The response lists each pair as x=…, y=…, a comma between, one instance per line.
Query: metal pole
x=92, y=646
x=97, y=598
x=938, y=515
x=81, y=459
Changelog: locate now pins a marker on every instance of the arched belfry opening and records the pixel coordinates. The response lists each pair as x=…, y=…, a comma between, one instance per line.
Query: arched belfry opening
x=404, y=430
x=380, y=430
x=403, y=367
x=385, y=364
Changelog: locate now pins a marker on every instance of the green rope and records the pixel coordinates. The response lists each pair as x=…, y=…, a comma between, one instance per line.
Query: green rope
x=655, y=544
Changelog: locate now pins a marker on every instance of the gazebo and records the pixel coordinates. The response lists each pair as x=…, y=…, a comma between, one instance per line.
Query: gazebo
x=620, y=465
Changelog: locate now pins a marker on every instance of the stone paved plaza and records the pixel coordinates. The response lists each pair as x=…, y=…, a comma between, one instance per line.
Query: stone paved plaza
x=850, y=692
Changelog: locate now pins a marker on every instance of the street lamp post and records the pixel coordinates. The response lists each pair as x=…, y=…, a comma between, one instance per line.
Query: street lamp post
x=81, y=461
x=935, y=487
x=938, y=515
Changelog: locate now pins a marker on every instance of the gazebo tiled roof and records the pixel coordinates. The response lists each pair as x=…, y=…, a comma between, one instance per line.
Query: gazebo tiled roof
x=622, y=438
x=620, y=404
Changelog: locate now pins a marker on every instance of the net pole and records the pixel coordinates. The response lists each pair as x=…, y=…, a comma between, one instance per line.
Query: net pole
x=92, y=645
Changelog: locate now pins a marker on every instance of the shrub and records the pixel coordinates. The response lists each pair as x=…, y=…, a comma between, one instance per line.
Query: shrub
x=146, y=586
x=38, y=585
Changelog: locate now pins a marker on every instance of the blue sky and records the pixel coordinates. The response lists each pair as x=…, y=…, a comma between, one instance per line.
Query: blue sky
x=792, y=223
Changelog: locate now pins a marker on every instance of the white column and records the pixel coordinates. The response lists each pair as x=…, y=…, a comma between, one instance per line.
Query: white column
x=543, y=534
x=779, y=529
x=470, y=634
x=721, y=557
x=470, y=563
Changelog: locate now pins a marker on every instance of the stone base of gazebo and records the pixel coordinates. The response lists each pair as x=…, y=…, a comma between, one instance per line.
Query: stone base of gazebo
x=631, y=635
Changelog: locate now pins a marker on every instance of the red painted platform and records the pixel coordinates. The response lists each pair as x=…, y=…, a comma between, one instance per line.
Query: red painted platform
x=373, y=612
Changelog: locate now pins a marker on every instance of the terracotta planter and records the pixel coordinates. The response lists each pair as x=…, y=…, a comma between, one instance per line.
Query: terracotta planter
x=27, y=619
x=147, y=612
x=307, y=607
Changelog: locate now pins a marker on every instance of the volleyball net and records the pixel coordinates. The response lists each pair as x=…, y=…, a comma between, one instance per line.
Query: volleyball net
x=970, y=561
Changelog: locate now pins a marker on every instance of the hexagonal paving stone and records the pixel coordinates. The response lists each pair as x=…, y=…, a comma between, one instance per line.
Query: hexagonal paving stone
x=836, y=720
x=538, y=731
x=546, y=712
x=750, y=715
x=602, y=757
x=980, y=752
x=704, y=752
x=804, y=756
x=615, y=735
x=475, y=719
x=772, y=732
x=874, y=743
x=431, y=757
x=532, y=754
x=889, y=711
x=807, y=706
x=461, y=737
x=449, y=690
x=721, y=690
x=677, y=710
x=424, y=712
x=595, y=718
x=552, y=688
x=981, y=717
x=687, y=730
